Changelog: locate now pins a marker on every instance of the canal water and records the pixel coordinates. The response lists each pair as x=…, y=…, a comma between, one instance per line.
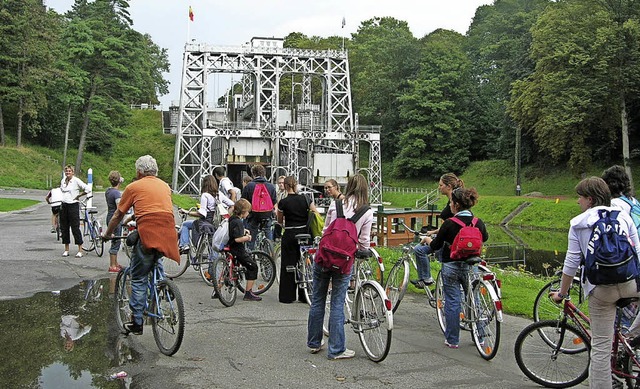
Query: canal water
x=540, y=252
x=64, y=339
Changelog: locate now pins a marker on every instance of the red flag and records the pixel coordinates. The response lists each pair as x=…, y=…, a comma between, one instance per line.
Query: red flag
x=190, y=14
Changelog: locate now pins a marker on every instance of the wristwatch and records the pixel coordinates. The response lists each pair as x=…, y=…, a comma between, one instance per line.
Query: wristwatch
x=564, y=296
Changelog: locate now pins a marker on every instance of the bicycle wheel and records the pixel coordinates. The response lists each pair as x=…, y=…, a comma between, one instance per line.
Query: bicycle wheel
x=206, y=257
x=549, y=364
x=266, y=272
x=97, y=241
x=276, y=258
x=87, y=240
x=167, y=321
x=306, y=264
x=374, y=322
x=546, y=309
x=266, y=246
x=327, y=310
x=223, y=285
x=121, y=298
x=439, y=297
x=397, y=282
x=486, y=327
x=173, y=269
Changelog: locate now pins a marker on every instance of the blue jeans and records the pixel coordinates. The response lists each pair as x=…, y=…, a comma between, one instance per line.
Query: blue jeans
x=185, y=230
x=421, y=252
x=141, y=266
x=454, y=277
x=253, y=225
x=339, y=284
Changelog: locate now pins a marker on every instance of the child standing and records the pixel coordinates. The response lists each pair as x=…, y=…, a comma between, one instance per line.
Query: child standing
x=237, y=236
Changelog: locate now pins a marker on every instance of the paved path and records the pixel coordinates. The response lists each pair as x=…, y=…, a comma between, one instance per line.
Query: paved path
x=254, y=344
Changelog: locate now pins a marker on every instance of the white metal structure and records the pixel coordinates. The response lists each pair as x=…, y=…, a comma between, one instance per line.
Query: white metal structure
x=321, y=141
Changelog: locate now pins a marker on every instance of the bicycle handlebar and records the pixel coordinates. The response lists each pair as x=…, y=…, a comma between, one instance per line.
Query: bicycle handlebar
x=414, y=232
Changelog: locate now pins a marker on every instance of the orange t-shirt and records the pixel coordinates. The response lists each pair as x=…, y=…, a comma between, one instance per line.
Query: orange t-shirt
x=150, y=198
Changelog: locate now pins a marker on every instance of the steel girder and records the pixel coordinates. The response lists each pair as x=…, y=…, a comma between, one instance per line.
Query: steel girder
x=262, y=68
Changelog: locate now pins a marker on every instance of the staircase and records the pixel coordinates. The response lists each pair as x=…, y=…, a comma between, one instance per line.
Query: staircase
x=428, y=200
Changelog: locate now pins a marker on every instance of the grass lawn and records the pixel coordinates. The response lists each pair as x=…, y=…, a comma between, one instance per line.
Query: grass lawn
x=7, y=205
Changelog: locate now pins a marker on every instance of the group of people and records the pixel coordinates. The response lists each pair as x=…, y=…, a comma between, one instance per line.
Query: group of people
x=151, y=199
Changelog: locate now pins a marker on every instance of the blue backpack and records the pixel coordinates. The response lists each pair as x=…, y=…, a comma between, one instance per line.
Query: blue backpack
x=610, y=257
x=635, y=210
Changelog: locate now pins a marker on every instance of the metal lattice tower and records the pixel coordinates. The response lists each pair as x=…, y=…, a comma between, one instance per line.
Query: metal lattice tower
x=201, y=143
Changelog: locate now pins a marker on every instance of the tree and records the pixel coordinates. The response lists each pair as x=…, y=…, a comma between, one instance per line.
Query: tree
x=574, y=101
x=498, y=45
x=116, y=65
x=436, y=139
x=383, y=54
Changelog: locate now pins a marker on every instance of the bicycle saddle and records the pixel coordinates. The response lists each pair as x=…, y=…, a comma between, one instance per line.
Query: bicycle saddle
x=623, y=302
x=364, y=253
x=473, y=260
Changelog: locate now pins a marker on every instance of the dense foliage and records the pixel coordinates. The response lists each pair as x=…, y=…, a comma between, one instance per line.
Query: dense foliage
x=78, y=73
x=552, y=83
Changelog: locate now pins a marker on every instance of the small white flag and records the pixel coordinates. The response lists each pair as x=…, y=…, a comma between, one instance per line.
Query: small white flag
x=343, y=22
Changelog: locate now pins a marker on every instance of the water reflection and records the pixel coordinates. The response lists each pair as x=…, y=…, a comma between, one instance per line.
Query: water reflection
x=63, y=339
x=541, y=252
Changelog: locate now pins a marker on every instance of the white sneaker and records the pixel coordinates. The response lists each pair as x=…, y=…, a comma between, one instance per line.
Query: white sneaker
x=317, y=349
x=65, y=254
x=346, y=354
x=79, y=255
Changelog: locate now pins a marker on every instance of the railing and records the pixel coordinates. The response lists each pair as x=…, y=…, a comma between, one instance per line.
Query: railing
x=505, y=253
x=428, y=200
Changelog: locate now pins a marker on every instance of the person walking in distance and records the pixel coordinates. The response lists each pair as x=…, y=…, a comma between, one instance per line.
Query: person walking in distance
x=356, y=196
x=150, y=198
x=261, y=194
x=280, y=194
x=113, y=195
x=54, y=198
x=72, y=189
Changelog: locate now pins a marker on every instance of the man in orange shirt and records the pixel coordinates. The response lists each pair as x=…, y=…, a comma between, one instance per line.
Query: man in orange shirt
x=150, y=198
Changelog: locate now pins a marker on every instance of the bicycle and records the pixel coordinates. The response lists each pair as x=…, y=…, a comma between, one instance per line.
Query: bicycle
x=546, y=309
x=369, y=313
x=200, y=258
x=481, y=310
x=303, y=270
x=262, y=243
x=556, y=353
x=398, y=278
x=164, y=307
x=91, y=229
x=229, y=276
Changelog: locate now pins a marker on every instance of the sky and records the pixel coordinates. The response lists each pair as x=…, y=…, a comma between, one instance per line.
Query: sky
x=232, y=23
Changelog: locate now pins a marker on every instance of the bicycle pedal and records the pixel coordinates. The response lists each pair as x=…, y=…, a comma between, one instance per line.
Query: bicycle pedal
x=290, y=269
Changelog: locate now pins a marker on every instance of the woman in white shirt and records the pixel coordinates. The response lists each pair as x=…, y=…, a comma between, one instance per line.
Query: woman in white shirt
x=72, y=189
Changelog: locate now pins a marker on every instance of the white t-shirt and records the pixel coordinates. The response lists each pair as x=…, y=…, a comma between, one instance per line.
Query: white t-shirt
x=56, y=197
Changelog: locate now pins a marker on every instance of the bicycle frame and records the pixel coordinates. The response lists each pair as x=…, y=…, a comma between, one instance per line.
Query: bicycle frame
x=620, y=346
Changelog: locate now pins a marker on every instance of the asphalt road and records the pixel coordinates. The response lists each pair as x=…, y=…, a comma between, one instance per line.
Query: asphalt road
x=260, y=344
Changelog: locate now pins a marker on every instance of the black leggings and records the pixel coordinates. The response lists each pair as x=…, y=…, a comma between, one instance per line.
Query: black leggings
x=246, y=260
x=70, y=217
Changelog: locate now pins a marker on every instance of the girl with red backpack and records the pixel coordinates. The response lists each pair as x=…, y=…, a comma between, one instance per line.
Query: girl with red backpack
x=454, y=271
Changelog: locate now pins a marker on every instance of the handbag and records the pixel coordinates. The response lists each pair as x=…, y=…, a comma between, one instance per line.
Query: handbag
x=315, y=221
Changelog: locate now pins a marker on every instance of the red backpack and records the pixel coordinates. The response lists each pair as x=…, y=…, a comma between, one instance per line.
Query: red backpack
x=468, y=241
x=339, y=243
x=261, y=199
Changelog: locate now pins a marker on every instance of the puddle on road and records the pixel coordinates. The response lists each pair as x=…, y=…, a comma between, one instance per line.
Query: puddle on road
x=65, y=339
